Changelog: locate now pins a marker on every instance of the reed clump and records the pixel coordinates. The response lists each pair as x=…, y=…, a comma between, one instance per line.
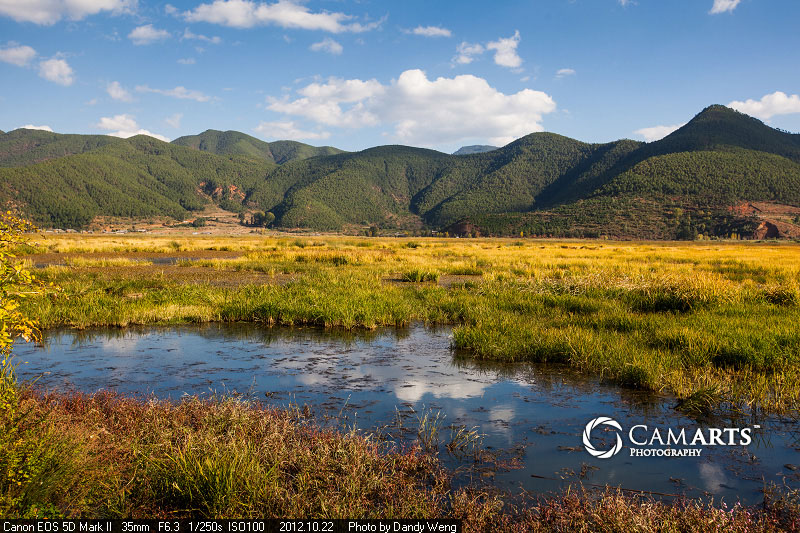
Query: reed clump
x=83, y=262
x=43, y=470
x=419, y=275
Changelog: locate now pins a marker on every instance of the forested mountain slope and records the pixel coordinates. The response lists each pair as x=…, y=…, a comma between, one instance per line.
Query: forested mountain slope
x=24, y=147
x=697, y=180
x=237, y=143
x=397, y=185
x=703, y=178
x=136, y=177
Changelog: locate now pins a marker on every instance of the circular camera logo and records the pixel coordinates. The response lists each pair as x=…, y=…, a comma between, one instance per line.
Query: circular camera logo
x=587, y=437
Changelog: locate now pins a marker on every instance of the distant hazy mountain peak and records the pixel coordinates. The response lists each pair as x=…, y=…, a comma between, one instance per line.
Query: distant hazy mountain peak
x=474, y=149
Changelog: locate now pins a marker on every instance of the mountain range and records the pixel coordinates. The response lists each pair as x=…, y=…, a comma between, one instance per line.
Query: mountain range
x=722, y=174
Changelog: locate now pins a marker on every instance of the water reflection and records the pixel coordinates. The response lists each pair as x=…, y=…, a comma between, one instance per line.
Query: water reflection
x=390, y=378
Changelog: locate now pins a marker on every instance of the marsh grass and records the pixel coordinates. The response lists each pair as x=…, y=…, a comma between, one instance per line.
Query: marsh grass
x=419, y=275
x=681, y=293
x=783, y=294
x=614, y=510
x=701, y=402
x=667, y=317
x=464, y=441
x=42, y=470
x=83, y=262
x=429, y=429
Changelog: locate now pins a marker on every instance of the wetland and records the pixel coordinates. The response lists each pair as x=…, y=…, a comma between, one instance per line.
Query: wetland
x=472, y=366
x=518, y=425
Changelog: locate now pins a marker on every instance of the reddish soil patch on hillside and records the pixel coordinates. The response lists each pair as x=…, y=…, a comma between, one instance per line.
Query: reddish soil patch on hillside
x=777, y=221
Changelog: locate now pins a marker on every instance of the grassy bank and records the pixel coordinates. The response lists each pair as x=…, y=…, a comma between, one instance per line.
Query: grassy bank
x=108, y=456
x=712, y=323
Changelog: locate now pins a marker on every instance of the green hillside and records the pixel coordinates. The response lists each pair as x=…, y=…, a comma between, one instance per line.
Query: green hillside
x=516, y=176
x=712, y=178
x=237, y=143
x=549, y=184
x=136, y=177
x=374, y=186
x=24, y=147
x=699, y=179
x=398, y=186
x=719, y=159
x=717, y=126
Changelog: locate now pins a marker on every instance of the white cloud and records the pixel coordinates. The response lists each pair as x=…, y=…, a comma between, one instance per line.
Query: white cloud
x=414, y=390
x=283, y=13
x=777, y=103
x=655, y=133
x=505, y=51
x=32, y=127
x=125, y=126
x=327, y=45
x=466, y=52
x=288, y=130
x=713, y=476
x=117, y=122
x=56, y=70
x=147, y=34
x=187, y=34
x=17, y=55
x=178, y=92
x=169, y=9
x=46, y=12
x=322, y=103
x=174, y=121
x=422, y=111
x=431, y=31
x=721, y=6
x=187, y=61
x=118, y=92
x=561, y=73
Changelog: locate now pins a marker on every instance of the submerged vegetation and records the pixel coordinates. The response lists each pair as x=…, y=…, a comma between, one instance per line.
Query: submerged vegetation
x=684, y=319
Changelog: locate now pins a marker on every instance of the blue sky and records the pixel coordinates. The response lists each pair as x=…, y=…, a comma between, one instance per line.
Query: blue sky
x=355, y=74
